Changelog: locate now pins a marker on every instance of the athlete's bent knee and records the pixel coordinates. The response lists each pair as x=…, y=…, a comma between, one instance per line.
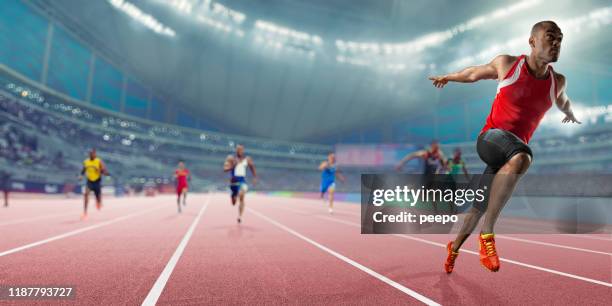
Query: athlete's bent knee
x=520, y=162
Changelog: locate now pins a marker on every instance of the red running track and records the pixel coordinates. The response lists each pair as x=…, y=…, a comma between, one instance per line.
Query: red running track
x=287, y=251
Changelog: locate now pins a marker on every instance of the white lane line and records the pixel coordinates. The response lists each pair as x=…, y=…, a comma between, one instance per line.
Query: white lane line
x=161, y=281
x=552, y=245
x=35, y=219
x=76, y=232
x=353, y=263
x=580, y=236
x=518, y=263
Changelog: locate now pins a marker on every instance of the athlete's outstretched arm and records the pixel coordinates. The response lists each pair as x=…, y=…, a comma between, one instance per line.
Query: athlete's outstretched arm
x=411, y=156
x=472, y=74
x=229, y=164
x=563, y=102
x=323, y=165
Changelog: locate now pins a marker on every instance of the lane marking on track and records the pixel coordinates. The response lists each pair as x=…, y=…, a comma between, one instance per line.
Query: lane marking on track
x=552, y=245
x=580, y=236
x=518, y=263
x=353, y=263
x=76, y=232
x=162, y=280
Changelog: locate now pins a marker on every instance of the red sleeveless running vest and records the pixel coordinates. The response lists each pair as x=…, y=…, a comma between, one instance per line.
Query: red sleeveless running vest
x=521, y=101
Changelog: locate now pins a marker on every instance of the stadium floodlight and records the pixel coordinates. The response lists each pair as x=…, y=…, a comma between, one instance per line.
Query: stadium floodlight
x=225, y=12
x=147, y=20
x=210, y=13
x=280, y=37
x=183, y=6
x=287, y=34
x=218, y=25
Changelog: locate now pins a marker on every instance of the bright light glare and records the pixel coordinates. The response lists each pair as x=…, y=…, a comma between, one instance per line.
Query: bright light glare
x=144, y=18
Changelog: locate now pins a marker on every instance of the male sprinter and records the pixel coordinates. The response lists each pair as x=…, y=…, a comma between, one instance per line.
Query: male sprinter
x=456, y=165
x=181, y=175
x=434, y=161
x=432, y=156
x=93, y=168
x=237, y=165
x=329, y=171
x=528, y=86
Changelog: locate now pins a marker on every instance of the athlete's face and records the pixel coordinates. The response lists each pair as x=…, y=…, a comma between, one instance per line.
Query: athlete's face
x=331, y=158
x=92, y=154
x=240, y=150
x=435, y=146
x=546, y=42
x=181, y=165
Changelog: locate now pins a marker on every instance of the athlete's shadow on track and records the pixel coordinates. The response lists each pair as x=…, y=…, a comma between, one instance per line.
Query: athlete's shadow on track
x=72, y=222
x=322, y=213
x=448, y=285
x=88, y=221
x=176, y=216
x=236, y=230
x=239, y=230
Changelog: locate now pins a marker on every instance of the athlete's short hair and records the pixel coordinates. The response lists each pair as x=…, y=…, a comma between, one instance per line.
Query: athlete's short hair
x=540, y=25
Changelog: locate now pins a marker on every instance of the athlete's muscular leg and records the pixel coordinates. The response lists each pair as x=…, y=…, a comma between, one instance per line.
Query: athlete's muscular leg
x=331, y=198
x=502, y=187
x=85, y=199
x=469, y=224
x=474, y=214
x=241, y=206
x=99, y=200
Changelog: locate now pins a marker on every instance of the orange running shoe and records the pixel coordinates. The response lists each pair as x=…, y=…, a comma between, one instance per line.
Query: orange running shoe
x=450, y=259
x=488, y=254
